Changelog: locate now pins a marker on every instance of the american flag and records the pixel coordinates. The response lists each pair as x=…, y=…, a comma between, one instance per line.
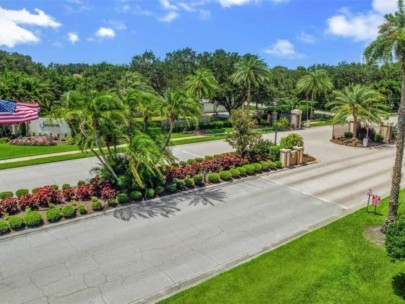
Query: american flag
x=14, y=112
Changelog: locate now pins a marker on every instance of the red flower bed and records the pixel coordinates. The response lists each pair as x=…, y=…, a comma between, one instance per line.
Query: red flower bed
x=32, y=141
x=108, y=192
x=84, y=192
x=69, y=194
x=27, y=200
x=46, y=195
x=225, y=162
x=9, y=205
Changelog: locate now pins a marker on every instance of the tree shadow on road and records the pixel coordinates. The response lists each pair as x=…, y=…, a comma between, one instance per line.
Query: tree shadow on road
x=167, y=206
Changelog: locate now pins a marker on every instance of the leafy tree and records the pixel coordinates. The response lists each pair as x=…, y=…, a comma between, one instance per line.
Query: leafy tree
x=201, y=85
x=389, y=46
x=243, y=138
x=359, y=102
x=314, y=83
x=292, y=140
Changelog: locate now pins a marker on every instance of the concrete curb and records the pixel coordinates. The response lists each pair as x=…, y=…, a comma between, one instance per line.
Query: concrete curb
x=28, y=231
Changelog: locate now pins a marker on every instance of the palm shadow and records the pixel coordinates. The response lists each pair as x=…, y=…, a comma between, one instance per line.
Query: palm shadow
x=398, y=284
x=167, y=206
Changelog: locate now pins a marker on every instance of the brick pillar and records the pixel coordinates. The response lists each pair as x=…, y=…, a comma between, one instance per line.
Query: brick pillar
x=285, y=156
x=300, y=155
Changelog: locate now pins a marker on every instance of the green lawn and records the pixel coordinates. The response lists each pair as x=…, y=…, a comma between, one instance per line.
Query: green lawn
x=334, y=264
x=182, y=135
x=11, y=151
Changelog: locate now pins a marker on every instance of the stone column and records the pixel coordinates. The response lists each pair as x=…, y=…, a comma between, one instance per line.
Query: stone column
x=274, y=117
x=296, y=118
x=388, y=131
x=285, y=156
x=300, y=155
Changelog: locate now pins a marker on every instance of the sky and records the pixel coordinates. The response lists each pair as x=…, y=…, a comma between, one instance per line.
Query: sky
x=283, y=32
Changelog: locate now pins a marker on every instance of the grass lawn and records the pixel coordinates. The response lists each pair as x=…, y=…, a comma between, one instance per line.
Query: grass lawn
x=12, y=151
x=334, y=264
x=197, y=140
x=182, y=135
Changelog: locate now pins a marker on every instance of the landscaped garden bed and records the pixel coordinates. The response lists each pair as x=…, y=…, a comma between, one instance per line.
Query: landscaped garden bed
x=348, y=140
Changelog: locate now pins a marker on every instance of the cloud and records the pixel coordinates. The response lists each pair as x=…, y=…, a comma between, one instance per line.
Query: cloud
x=306, y=38
x=360, y=26
x=283, y=48
x=167, y=5
x=105, y=32
x=117, y=25
x=73, y=37
x=229, y=3
x=12, y=22
x=169, y=17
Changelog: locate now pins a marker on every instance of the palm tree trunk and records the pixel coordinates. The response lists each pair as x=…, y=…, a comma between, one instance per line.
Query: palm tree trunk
x=169, y=135
x=104, y=158
x=397, y=170
x=312, y=105
x=248, y=96
x=354, y=126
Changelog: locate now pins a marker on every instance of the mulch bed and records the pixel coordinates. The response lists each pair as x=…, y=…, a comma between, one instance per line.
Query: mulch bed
x=354, y=143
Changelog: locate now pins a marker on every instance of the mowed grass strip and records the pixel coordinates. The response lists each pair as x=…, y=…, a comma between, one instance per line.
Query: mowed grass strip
x=334, y=264
x=12, y=151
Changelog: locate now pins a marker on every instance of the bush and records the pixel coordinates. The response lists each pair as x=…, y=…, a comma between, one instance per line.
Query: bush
x=189, y=182
x=292, y=140
x=46, y=195
x=182, y=163
x=208, y=157
x=190, y=161
x=273, y=166
x=135, y=195
x=257, y=166
x=198, y=180
x=348, y=135
x=34, y=191
x=53, y=215
x=216, y=155
x=33, y=219
x=199, y=160
x=395, y=240
x=225, y=175
x=171, y=188
x=275, y=152
x=213, y=177
x=55, y=187
x=150, y=193
x=122, y=198
x=81, y=183
x=15, y=222
x=68, y=211
x=96, y=206
x=235, y=173
x=84, y=192
x=112, y=202
x=250, y=169
x=180, y=184
x=9, y=205
x=378, y=138
x=159, y=190
x=82, y=209
x=279, y=164
x=4, y=228
x=65, y=186
x=241, y=170
x=21, y=192
x=283, y=124
x=6, y=194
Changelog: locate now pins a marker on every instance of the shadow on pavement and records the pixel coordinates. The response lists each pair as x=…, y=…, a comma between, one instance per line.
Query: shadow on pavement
x=167, y=206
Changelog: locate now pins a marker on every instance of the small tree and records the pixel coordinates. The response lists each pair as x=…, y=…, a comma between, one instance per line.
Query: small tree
x=395, y=240
x=292, y=140
x=243, y=138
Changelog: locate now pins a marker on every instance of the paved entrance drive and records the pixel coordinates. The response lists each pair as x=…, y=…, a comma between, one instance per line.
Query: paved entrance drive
x=140, y=250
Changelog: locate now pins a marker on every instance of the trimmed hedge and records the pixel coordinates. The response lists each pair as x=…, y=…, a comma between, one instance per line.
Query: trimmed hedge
x=189, y=182
x=171, y=188
x=199, y=180
x=159, y=190
x=122, y=198
x=150, y=193
x=65, y=186
x=96, y=206
x=82, y=209
x=21, y=192
x=180, y=184
x=112, y=202
x=258, y=167
x=214, y=177
x=242, y=170
x=68, y=211
x=15, y=222
x=135, y=195
x=6, y=194
x=33, y=219
x=225, y=175
x=265, y=165
x=250, y=169
x=53, y=215
x=235, y=173
x=4, y=228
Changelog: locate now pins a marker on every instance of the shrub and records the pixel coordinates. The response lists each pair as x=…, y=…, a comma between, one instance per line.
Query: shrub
x=171, y=188
x=112, y=202
x=35, y=190
x=213, y=177
x=189, y=182
x=4, y=228
x=235, y=173
x=122, y=198
x=190, y=161
x=279, y=164
x=378, y=138
x=348, y=135
x=68, y=211
x=82, y=209
x=96, y=206
x=216, y=155
x=275, y=152
x=182, y=163
x=6, y=194
x=395, y=240
x=56, y=187
x=81, y=183
x=21, y=192
x=65, y=186
x=84, y=192
x=107, y=191
x=257, y=166
x=9, y=205
x=265, y=165
x=46, y=195
x=150, y=193
x=180, y=184
x=283, y=124
x=291, y=141
x=53, y=215
x=69, y=194
x=199, y=160
x=198, y=180
x=208, y=157
x=33, y=219
x=135, y=195
x=250, y=169
x=225, y=175
x=15, y=222
x=273, y=166
x=159, y=190
x=241, y=170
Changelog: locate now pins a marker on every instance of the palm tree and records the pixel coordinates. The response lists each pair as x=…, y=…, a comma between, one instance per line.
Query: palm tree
x=179, y=104
x=389, y=46
x=316, y=82
x=360, y=103
x=251, y=71
x=201, y=85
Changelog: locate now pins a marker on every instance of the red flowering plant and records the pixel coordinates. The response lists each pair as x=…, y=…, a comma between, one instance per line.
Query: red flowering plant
x=84, y=192
x=9, y=205
x=96, y=186
x=107, y=191
x=46, y=195
x=69, y=194
x=27, y=200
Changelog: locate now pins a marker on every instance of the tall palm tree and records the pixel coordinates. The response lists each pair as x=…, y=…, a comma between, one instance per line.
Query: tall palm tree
x=314, y=83
x=390, y=46
x=359, y=102
x=251, y=72
x=201, y=85
x=179, y=104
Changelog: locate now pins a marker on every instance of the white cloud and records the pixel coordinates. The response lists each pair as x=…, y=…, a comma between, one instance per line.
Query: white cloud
x=306, y=38
x=12, y=22
x=73, y=37
x=385, y=6
x=229, y=3
x=283, y=48
x=105, y=32
x=117, y=25
x=169, y=17
x=167, y=5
